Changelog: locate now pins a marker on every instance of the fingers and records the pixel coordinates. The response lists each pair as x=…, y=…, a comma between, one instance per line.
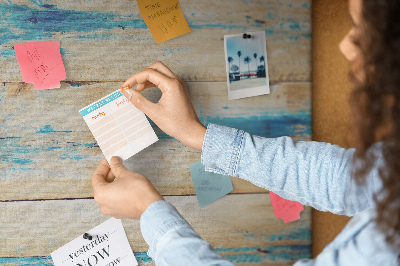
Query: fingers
x=160, y=67
x=140, y=102
x=110, y=177
x=142, y=86
x=100, y=174
x=157, y=78
x=117, y=167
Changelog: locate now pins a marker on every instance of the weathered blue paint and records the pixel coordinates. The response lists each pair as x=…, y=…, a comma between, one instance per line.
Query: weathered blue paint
x=142, y=257
x=63, y=52
x=295, y=26
x=271, y=15
x=72, y=157
x=8, y=53
x=289, y=253
x=38, y=21
x=75, y=84
x=37, y=2
x=45, y=261
x=91, y=145
x=16, y=160
x=16, y=148
x=50, y=129
x=302, y=234
x=53, y=148
x=267, y=124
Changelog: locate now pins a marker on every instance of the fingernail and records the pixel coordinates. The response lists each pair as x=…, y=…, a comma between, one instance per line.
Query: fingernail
x=129, y=92
x=125, y=88
x=115, y=160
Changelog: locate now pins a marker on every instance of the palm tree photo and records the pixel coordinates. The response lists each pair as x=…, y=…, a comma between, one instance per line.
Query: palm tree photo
x=247, y=60
x=262, y=60
x=230, y=60
x=239, y=53
x=255, y=60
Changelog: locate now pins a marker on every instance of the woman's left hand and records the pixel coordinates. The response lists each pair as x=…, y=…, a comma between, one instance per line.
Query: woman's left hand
x=127, y=197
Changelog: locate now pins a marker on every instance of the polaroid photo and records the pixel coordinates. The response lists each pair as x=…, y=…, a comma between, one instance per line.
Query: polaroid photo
x=246, y=64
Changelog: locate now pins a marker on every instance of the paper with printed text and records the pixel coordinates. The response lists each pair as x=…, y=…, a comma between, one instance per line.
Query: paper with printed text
x=109, y=246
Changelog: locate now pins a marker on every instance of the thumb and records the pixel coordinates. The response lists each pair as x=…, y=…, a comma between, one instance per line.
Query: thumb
x=116, y=166
x=138, y=100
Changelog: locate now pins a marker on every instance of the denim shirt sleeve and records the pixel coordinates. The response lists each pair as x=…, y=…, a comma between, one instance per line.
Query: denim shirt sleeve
x=172, y=241
x=312, y=173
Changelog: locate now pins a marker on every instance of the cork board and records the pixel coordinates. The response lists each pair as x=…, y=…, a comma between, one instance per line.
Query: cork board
x=331, y=89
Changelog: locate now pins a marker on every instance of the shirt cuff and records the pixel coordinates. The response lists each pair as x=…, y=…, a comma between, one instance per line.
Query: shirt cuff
x=222, y=148
x=158, y=219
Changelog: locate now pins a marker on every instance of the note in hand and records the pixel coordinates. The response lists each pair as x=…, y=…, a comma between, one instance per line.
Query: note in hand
x=284, y=209
x=118, y=126
x=164, y=18
x=41, y=63
x=108, y=246
x=209, y=186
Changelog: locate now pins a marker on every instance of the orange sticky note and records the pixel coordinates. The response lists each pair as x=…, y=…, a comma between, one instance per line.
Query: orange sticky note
x=41, y=63
x=284, y=209
x=164, y=18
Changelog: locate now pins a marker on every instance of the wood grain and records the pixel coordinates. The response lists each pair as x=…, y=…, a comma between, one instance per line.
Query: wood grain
x=109, y=41
x=48, y=152
x=229, y=224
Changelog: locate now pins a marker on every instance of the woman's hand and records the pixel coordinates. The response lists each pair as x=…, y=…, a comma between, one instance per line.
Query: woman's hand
x=127, y=197
x=173, y=113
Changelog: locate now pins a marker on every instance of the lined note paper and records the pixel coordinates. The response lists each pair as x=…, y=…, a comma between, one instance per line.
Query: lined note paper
x=209, y=186
x=118, y=126
x=41, y=63
x=164, y=18
x=284, y=209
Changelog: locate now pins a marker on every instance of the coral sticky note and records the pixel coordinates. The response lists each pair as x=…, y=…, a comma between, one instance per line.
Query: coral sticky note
x=41, y=63
x=284, y=209
x=164, y=18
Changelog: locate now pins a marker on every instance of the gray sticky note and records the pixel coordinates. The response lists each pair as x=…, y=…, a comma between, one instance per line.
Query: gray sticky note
x=209, y=186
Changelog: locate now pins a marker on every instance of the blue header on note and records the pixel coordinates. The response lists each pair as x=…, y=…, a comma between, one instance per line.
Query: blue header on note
x=100, y=103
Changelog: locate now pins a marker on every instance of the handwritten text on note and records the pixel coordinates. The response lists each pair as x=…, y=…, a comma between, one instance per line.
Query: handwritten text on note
x=164, y=18
x=41, y=63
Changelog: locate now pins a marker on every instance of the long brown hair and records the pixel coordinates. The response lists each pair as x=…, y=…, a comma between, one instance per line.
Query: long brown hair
x=375, y=103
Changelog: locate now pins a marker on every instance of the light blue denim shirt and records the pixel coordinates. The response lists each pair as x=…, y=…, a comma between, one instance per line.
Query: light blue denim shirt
x=312, y=173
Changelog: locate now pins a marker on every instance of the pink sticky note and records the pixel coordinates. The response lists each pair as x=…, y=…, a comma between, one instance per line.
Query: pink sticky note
x=284, y=209
x=41, y=63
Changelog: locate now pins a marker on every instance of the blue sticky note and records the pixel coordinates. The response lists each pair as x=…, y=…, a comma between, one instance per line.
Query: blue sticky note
x=209, y=186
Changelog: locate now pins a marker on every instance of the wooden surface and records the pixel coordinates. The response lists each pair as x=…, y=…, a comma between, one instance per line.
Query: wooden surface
x=48, y=154
x=331, y=89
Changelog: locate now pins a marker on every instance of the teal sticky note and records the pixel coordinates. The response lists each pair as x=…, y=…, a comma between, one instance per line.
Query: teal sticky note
x=209, y=186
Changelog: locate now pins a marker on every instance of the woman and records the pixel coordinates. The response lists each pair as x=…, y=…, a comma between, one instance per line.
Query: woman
x=362, y=182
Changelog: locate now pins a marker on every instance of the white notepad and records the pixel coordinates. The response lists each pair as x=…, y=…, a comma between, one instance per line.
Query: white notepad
x=118, y=126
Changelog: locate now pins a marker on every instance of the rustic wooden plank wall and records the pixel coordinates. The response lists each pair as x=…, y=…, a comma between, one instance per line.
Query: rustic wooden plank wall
x=47, y=153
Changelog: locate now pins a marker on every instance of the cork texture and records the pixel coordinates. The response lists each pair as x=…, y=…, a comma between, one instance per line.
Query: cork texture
x=331, y=89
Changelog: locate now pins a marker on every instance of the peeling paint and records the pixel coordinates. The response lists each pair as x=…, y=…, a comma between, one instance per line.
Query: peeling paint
x=290, y=253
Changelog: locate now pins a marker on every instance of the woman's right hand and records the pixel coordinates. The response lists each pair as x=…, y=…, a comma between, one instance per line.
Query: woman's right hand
x=173, y=113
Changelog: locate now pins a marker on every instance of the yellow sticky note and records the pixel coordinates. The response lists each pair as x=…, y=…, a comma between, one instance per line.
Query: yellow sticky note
x=164, y=18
